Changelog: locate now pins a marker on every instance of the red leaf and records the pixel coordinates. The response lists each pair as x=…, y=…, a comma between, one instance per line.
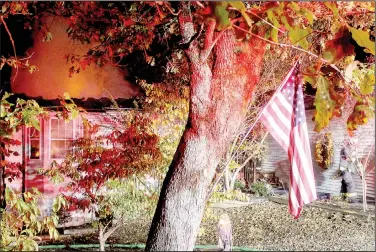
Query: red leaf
x=128, y=22
x=339, y=47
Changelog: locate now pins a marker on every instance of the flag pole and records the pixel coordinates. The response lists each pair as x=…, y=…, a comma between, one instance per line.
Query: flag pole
x=249, y=131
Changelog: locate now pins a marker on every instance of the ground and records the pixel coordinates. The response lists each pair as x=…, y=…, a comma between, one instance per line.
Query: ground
x=268, y=226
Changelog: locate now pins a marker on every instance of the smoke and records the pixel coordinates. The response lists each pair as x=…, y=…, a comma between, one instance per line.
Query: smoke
x=52, y=78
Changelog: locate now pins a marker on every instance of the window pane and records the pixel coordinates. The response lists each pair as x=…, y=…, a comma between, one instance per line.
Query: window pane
x=54, y=123
x=69, y=134
x=69, y=125
x=54, y=133
x=58, y=149
x=34, y=133
x=68, y=146
x=34, y=149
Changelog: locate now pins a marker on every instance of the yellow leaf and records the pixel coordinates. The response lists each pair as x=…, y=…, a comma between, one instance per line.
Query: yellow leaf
x=362, y=39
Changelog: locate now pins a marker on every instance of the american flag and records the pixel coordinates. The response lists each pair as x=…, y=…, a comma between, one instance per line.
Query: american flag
x=284, y=117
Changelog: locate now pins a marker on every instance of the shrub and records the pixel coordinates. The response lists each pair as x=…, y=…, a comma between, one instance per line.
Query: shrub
x=262, y=188
x=239, y=185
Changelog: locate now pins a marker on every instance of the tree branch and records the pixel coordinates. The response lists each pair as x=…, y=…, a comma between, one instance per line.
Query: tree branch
x=206, y=52
x=110, y=232
x=12, y=41
x=264, y=20
x=247, y=160
x=299, y=49
x=209, y=34
x=171, y=10
x=187, y=29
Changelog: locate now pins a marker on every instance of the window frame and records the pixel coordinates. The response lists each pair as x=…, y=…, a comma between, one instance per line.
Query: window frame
x=50, y=138
x=30, y=138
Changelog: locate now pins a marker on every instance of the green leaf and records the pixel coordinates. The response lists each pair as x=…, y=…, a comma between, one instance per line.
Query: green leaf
x=367, y=85
x=296, y=34
x=56, y=205
x=299, y=36
x=241, y=7
x=294, y=6
x=362, y=39
x=323, y=103
x=333, y=7
x=222, y=16
x=6, y=95
x=28, y=232
x=39, y=226
x=309, y=15
x=66, y=96
x=274, y=32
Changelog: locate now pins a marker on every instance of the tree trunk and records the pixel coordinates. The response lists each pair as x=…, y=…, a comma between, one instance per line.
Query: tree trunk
x=227, y=180
x=218, y=100
x=101, y=238
x=364, y=185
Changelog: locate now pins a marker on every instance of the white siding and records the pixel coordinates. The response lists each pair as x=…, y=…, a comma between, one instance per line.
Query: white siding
x=276, y=158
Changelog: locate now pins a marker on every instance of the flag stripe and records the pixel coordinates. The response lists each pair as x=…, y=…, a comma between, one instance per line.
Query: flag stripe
x=286, y=105
x=302, y=179
x=299, y=179
x=285, y=127
x=284, y=117
x=276, y=131
x=304, y=165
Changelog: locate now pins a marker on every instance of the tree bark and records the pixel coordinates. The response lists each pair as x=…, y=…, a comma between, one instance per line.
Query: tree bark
x=218, y=100
x=101, y=238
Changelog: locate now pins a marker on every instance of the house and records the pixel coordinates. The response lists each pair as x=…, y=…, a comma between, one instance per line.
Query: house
x=276, y=160
x=53, y=141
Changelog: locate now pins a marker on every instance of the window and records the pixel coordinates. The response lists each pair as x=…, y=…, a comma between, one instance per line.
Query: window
x=34, y=138
x=61, y=133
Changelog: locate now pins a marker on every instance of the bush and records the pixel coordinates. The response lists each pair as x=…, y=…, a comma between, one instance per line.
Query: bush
x=262, y=188
x=239, y=185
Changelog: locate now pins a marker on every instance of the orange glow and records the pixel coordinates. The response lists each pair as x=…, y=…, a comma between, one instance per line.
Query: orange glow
x=52, y=77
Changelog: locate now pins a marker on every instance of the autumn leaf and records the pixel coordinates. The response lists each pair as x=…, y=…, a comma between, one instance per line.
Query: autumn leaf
x=339, y=47
x=222, y=16
x=310, y=76
x=359, y=116
x=338, y=95
x=367, y=84
x=362, y=39
x=323, y=103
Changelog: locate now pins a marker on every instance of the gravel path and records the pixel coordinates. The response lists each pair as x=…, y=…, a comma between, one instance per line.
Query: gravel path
x=268, y=226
